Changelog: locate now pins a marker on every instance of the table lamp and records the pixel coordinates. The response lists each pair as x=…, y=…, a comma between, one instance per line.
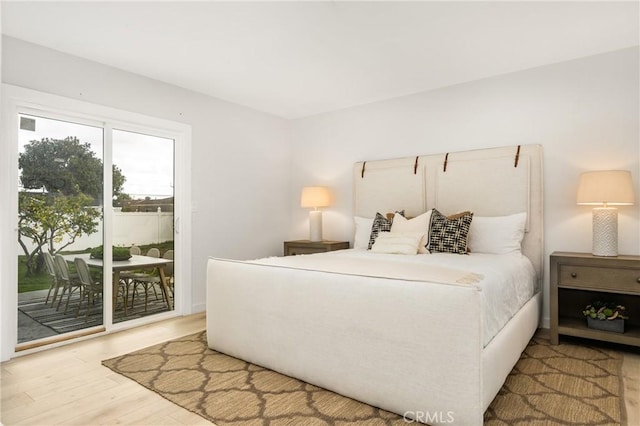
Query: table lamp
x=605, y=188
x=314, y=197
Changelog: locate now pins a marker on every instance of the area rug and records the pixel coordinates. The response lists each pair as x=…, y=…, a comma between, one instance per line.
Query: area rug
x=550, y=385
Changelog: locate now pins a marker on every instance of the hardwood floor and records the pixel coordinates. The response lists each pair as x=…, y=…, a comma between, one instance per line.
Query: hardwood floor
x=631, y=379
x=68, y=385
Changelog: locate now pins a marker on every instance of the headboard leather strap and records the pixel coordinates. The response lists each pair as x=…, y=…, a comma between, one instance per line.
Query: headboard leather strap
x=517, y=157
x=446, y=159
x=363, y=166
x=415, y=166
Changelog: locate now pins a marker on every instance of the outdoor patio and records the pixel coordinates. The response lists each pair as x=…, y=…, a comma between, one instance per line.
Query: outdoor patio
x=37, y=320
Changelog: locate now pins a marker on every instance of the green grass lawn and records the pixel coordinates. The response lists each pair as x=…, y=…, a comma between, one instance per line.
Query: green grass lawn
x=37, y=282
x=42, y=281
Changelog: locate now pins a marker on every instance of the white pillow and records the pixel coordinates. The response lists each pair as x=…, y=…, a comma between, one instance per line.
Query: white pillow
x=397, y=242
x=419, y=224
x=497, y=235
x=362, y=232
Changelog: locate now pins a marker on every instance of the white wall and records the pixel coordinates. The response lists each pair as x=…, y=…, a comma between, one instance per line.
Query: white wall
x=4, y=242
x=240, y=157
x=584, y=112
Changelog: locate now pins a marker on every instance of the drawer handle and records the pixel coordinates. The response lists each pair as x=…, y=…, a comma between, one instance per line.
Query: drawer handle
x=638, y=280
x=573, y=275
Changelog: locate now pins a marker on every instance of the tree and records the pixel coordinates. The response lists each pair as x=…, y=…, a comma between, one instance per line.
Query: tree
x=65, y=166
x=71, y=176
x=53, y=220
x=118, y=182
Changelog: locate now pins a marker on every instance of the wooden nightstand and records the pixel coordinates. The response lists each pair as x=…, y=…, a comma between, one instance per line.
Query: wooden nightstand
x=292, y=248
x=578, y=279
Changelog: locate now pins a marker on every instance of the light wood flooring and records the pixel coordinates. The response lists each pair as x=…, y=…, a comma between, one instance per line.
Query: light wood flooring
x=631, y=379
x=68, y=385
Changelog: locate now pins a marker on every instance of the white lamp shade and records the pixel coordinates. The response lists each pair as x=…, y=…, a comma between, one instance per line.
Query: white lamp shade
x=315, y=196
x=606, y=187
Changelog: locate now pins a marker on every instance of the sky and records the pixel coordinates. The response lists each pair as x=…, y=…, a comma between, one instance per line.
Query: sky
x=146, y=161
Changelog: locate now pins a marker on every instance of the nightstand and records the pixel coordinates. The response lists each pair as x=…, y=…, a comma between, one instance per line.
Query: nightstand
x=292, y=248
x=578, y=279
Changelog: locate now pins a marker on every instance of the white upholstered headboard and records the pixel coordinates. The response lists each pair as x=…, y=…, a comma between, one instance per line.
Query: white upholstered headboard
x=488, y=182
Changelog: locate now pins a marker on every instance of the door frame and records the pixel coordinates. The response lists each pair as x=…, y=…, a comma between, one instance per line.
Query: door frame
x=14, y=100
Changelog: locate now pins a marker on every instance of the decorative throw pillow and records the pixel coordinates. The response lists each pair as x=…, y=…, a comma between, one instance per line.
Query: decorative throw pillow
x=380, y=224
x=362, y=232
x=498, y=234
x=449, y=234
x=417, y=224
x=397, y=242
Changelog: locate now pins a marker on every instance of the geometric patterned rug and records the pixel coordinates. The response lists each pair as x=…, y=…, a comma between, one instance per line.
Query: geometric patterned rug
x=550, y=385
x=565, y=384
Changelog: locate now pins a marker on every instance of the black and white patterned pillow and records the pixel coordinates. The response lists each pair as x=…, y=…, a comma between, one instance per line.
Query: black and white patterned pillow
x=380, y=224
x=449, y=234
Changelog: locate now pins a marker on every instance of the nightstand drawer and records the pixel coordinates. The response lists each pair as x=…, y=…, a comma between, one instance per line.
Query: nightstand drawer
x=613, y=279
x=293, y=248
x=294, y=251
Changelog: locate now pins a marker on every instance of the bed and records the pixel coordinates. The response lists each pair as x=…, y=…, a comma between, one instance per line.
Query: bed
x=426, y=345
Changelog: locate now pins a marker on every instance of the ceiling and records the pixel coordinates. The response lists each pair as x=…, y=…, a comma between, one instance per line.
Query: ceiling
x=295, y=59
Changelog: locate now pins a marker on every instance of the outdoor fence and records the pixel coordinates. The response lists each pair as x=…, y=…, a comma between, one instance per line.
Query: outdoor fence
x=129, y=228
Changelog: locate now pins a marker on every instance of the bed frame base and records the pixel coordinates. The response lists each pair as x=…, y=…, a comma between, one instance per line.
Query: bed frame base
x=350, y=336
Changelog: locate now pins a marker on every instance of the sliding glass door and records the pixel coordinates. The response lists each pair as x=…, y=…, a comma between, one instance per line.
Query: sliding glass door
x=143, y=218
x=83, y=267
x=60, y=214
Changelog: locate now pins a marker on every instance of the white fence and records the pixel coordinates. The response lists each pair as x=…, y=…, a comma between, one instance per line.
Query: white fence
x=129, y=228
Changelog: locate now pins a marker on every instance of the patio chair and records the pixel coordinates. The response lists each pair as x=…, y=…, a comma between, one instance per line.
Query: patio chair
x=91, y=289
x=168, y=270
x=53, y=275
x=70, y=281
x=126, y=279
x=146, y=281
x=153, y=252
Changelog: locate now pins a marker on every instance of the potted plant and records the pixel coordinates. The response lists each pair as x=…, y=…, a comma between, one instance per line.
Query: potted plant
x=117, y=253
x=607, y=316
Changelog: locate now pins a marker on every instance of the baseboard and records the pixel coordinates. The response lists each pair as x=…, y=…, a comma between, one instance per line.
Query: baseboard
x=545, y=323
x=200, y=307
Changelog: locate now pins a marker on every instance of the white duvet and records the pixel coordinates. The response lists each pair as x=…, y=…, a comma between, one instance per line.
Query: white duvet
x=506, y=282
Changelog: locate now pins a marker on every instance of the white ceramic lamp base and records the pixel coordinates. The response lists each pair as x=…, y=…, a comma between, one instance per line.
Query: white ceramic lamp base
x=315, y=225
x=605, y=231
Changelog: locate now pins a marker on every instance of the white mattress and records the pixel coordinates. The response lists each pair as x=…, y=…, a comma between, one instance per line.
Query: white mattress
x=506, y=282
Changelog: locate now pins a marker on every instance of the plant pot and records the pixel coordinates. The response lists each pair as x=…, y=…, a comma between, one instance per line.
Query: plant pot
x=616, y=325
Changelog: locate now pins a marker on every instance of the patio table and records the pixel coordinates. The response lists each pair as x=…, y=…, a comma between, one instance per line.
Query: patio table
x=136, y=262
